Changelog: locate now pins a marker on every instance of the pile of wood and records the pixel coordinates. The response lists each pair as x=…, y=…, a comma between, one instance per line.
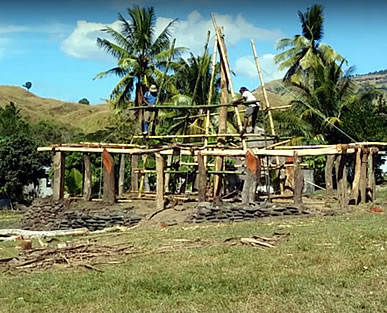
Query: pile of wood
x=87, y=255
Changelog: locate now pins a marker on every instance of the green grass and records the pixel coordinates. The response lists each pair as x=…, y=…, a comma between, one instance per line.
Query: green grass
x=331, y=264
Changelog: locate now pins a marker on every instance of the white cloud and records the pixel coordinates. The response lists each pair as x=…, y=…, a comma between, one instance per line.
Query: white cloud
x=52, y=28
x=245, y=66
x=190, y=33
x=82, y=43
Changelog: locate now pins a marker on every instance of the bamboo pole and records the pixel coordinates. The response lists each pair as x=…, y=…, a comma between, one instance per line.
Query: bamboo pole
x=197, y=106
x=200, y=69
x=267, y=104
x=224, y=59
x=213, y=67
x=152, y=126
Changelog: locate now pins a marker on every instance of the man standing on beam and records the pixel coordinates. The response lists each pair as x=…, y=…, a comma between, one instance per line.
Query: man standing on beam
x=248, y=99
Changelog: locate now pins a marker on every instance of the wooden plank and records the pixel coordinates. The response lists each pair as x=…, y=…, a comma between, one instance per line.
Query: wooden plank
x=87, y=178
x=210, y=151
x=59, y=175
x=134, y=175
x=159, y=182
x=109, y=194
x=363, y=175
x=202, y=178
x=328, y=175
x=298, y=184
x=356, y=179
x=121, y=175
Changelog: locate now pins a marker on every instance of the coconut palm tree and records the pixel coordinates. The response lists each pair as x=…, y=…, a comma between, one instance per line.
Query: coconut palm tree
x=140, y=54
x=306, y=50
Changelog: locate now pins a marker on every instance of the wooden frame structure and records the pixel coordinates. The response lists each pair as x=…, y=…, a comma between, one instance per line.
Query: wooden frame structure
x=259, y=153
x=361, y=190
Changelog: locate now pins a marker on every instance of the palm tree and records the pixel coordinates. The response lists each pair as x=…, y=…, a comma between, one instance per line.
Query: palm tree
x=321, y=98
x=306, y=50
x=140, y=54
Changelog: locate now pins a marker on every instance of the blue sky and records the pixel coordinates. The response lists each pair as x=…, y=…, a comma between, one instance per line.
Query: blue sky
x=52, y=43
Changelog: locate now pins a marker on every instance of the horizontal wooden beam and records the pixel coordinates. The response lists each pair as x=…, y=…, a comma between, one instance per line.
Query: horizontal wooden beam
x=328, y=150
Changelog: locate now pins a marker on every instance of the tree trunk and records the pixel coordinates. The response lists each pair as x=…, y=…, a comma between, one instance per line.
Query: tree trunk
x=59, y=175
x=298, y=181
x=109, y=194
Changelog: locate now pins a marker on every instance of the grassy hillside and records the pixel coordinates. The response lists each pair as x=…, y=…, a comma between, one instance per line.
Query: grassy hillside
x=85, y=117
x=378, y=80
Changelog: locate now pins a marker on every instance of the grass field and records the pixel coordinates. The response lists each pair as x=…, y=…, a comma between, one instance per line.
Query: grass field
x=327, y=264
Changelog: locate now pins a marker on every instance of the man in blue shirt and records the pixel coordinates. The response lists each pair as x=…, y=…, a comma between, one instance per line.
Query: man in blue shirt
x=149, y=101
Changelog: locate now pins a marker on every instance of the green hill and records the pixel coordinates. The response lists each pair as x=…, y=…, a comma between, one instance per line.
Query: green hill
x=87, y=118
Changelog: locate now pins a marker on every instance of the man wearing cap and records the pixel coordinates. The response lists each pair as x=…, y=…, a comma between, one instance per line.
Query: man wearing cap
x=252, y=104
x=149, y=101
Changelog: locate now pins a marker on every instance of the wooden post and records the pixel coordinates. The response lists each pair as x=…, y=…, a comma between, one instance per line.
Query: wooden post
x=341, y=179
x=167, y=176
x=328, y=175
x=121, y=176
x=363, y=175
x=224, y=60
x=134, y=174
x=298, y=184
x=213, y=67
x=371, y=175
x=59, y=173
x=202, y=178
x=159, y=182
x=87, y=183
x=356, y=179
x=253, y=173
x=222, y=127
x=109, y=194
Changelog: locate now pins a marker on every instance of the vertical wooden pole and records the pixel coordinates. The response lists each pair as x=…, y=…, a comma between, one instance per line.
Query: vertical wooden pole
x=121, y=175
x=109, y=192
x=213, y=67
x=87, y=184
x=222, y=129
x=371, y=175
x=298, y=184
x=159, y=182
x=363, y=175
x=167, y=176
x=341, y=178
x=328, y=175
x=267, y=104
x=356, y=179
x=134, y=174
x=59, y=173
x=202, y=178
x=224, y=59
